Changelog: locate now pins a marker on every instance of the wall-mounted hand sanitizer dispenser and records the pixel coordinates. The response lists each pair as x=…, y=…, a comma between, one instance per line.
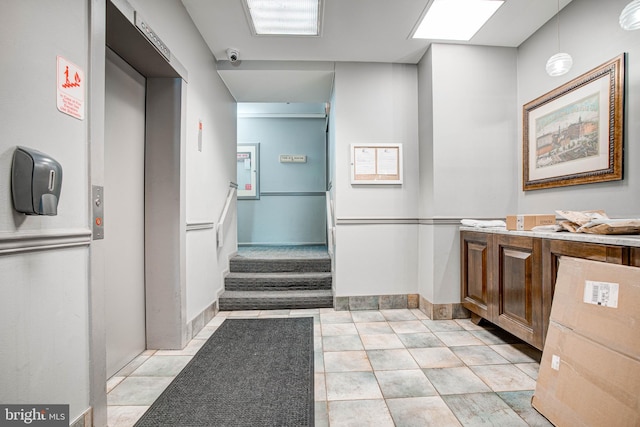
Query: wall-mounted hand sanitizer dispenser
x=36, y=180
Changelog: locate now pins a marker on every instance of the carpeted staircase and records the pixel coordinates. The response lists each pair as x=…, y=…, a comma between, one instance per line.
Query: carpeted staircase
x=278, y=278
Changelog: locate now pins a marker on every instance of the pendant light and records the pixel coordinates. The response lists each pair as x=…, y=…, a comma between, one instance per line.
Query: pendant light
x=630, y=16
x=560, y=63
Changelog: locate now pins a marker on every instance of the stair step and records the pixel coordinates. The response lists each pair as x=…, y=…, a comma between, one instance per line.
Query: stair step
x=239, y=264
x=267, y=300
x=278, y=281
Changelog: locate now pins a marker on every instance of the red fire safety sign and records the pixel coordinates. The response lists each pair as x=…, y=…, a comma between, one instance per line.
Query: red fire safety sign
x=71, y=88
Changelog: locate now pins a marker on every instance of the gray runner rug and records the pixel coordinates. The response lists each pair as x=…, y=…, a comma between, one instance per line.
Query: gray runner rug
x=250, y=372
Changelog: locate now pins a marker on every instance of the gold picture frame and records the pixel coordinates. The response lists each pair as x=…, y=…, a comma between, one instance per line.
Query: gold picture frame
x=573, y=134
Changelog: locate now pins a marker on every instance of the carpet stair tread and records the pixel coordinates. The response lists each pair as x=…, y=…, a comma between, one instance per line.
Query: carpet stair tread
x=266, y=300
x=279, y=265
x=273, y=281
x=275, y=294
x=278, y=278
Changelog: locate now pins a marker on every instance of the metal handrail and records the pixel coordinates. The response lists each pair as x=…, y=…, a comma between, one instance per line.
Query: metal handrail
x=224, y=216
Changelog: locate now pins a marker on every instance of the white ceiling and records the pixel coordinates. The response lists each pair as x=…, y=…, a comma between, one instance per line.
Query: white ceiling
x=300, y=69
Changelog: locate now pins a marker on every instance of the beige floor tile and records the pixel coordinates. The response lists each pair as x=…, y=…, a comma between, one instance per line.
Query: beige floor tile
x=435, y=357
x=346, y=361
x=352, y=386
x=138, y=391
x=113, y=381
x=530, y=369
x=336, y=317
x=404, y=383
x=320, y=387
x=422, y=411
x=476, y=409
x=341, y=343
x=468, y=325
x=459, y=380
x=205, y=333
x=381, y=342
x=409, y=327
x=318, y=361
x=478, y=355
x=504, y=377
x=244, y=314
x=367, y=316
x=190, y=349
x=420, y=340
x=442, y=325
x=339, y=329
x=124, y=416
x=398, y=315
x=162, y=366
x=420, y=315
x=518, y=353
x=374, y=328
x=360, y=413
x=394, y=359
x=460, y=338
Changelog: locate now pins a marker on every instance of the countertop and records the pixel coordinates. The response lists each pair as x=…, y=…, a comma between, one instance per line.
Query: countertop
x=618, y=240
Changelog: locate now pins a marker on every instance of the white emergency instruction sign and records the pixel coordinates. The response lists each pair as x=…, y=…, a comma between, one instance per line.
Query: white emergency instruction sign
x=70, y=89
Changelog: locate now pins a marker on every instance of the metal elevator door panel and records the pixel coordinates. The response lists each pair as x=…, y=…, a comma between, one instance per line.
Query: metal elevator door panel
x=124, y=212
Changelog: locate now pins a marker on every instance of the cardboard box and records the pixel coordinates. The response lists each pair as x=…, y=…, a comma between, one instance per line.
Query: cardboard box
x=615, y=322
x=590, y=369
x=527, y=222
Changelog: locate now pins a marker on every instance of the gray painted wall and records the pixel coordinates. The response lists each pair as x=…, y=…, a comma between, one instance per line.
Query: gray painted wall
x=44, y=316
x=589, y=31
x=467, y=143
x=208, y=172
x=285, y=219
x=51, y=343
x=376, y=232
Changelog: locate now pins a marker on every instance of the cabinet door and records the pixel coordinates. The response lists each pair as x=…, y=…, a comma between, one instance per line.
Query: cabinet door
x=518, y=281
x=475, y=255
x=554, y=249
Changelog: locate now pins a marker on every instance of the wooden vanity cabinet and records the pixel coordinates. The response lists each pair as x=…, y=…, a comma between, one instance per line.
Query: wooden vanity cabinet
x=509, y=279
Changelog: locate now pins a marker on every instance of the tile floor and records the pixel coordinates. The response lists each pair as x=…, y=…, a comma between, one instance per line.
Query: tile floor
x=377, y=368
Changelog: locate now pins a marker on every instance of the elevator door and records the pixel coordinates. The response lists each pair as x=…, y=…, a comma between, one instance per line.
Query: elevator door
x=124, y=212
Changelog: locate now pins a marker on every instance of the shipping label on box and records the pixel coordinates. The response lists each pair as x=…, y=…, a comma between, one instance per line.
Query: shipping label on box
x=527, y=222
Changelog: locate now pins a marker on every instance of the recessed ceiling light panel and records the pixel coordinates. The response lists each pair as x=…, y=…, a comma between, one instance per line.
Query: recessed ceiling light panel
x=455, y=19
x=285, y=17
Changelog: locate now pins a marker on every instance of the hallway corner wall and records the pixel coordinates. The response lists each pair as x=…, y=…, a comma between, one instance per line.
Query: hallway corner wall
x=210, y=153
x=467, y=144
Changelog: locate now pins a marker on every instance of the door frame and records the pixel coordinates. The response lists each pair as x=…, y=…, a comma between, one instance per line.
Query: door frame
x=113, y=24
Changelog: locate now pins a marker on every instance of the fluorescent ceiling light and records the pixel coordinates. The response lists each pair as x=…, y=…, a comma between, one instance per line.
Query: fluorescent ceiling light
x=455, y=19
x=285, y=17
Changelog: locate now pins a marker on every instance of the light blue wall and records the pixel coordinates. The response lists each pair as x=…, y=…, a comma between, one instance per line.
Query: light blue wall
x=291, y=208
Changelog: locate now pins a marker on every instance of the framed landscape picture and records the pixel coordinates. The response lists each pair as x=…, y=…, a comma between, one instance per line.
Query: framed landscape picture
x=573, y=134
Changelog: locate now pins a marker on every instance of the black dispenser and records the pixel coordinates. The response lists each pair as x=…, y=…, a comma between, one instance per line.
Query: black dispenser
x=36, y=180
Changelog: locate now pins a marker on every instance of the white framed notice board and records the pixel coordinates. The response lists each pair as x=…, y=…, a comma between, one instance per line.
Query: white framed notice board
x=376, y=163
